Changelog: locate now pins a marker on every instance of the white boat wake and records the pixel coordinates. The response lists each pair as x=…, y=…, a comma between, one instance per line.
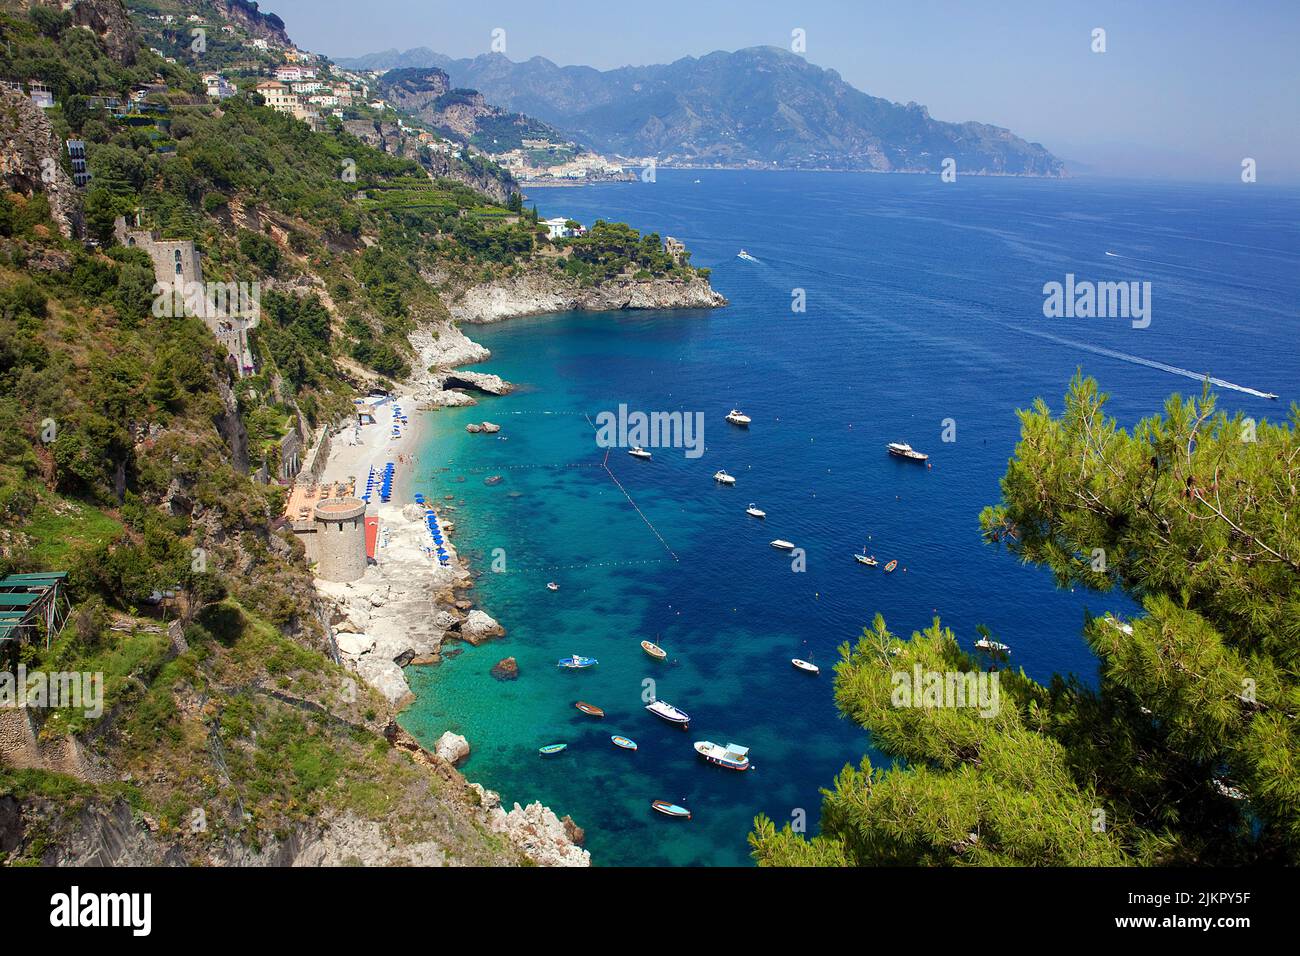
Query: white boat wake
x=1149, y=363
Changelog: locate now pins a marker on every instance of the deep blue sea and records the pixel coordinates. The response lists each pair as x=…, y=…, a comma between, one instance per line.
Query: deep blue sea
x=924, y=304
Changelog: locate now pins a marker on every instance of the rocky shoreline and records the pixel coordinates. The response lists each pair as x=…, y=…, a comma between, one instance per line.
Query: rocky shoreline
x=407, y=608
x=543, y=292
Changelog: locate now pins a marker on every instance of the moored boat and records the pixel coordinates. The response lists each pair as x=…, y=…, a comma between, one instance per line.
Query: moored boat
x=666, y=711
x=636, y=451
x=551, y=749
x=591, y=710
x=782, y=545
x=890, y=566
x=654, y=650
x=806, y=666
x=625, y=743
x=903, y=450
x=671, y=809
x=552, y=586
x=737, y=417
x=732, y=756
x=754, y=511
x=985, y=644
x=722, y=478
x=576, y=661
x=866, y=559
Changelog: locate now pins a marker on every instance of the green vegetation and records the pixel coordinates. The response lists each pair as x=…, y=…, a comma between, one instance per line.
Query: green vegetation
x=1186, y=752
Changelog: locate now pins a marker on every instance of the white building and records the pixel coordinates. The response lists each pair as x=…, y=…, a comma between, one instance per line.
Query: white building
x=219, y=88
x=558, y=228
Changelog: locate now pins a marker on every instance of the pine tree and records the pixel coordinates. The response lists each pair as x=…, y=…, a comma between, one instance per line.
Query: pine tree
x=1187, y=751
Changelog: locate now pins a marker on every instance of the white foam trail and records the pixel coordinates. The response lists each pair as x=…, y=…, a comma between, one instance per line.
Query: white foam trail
x=1149, y=363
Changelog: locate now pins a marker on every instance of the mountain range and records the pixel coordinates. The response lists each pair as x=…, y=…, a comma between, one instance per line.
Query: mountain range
x=759, y=106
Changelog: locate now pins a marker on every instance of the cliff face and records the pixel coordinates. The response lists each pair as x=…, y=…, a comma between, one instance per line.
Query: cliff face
x=537, y=293
x=107, y=19
x=31, y=160
x=268, y=26
x=493, y=182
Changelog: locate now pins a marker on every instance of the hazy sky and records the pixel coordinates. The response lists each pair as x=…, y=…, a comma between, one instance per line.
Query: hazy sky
x=1185, y=87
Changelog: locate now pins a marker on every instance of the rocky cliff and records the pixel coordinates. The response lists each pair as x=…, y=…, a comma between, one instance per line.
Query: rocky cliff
x=107, y=19
x=31, y=160
x=540, y=292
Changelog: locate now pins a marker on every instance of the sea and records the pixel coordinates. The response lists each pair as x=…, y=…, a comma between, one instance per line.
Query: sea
x=875, y=308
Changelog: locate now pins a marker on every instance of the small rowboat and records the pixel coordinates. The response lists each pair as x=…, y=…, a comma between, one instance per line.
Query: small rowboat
x=671, y=809
x=591, y=710
x=805, y=666
x=654, y=650
x=661, y=708
x=782, y=545
x=625, y=742
x=551, y=749
x=576, y=661
x=890, y=566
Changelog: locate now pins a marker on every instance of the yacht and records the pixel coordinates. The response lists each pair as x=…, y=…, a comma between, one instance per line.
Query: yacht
x=782, y=545
x=737, y=417
x=755, y=512
x=732, y=756
x=984, y=644
x=903, y=450
x=637, y=451
x=665, y=710
x=806, y=666
x=742, y=254
x=722, y=478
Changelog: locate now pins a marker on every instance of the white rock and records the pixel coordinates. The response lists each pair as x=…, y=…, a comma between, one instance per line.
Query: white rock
x=354, y=644
x=479, y=626
x=452, y=748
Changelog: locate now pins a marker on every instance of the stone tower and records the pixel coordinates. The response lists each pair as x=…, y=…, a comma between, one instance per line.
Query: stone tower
x=340, y=539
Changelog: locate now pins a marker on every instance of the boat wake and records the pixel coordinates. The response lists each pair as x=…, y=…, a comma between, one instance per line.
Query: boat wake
x=1149, y=363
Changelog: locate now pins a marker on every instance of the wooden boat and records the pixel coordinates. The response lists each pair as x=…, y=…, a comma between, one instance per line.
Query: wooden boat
x=626, y=743
x=754, y=511
x=732, y=756
x=866, y=559
x=591, y=710
x=665, y=710
x=890, y=566
x=576, y=661
x=722, y=478
x=551, y=749
x=782, y=545
x=671, y=809
x=636, y=451
x=903, y=450
x=805, y=666
x=654, y=650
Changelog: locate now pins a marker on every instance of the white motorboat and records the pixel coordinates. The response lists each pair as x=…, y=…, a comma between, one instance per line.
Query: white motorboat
x=984, y=644
x=732, y=756
x=674, y=715
x=636, y=451
x=866, y=559
x=552, y=586
x=903, y=450
x=755, y=512
x=737, y=417
x=782, y=545
x=805, y=666
x=742, y=254
x=722, y=478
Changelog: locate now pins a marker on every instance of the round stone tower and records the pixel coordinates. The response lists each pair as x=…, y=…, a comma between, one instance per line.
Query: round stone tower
x=340, y=539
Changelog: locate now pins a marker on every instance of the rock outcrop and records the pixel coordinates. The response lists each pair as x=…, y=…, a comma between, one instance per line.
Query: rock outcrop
x=31, y=160
x=479, y=627
x=538, y=292
x=107, y=19
x=452, y=748
x=506, y=669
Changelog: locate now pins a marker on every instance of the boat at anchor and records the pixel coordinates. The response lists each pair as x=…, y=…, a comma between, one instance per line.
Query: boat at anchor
x=732, y=756
x=576, y=661
x=666, y=711
x=903, y=450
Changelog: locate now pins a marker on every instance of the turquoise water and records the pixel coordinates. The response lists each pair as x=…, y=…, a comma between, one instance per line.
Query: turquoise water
x=924, y=304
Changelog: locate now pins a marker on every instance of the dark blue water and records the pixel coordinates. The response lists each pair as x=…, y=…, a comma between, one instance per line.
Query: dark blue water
x=924, y=304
